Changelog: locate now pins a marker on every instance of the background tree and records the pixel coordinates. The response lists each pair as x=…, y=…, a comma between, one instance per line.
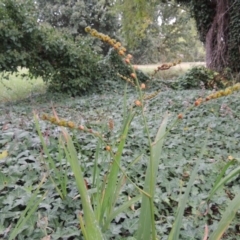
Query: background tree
x=162, y=32
x=69, y=66
x=217, y=23
x=147, y=40
x=73, y=16
x=219, y=28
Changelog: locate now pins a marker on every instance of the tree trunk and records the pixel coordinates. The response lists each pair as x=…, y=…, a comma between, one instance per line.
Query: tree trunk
x=217, y=38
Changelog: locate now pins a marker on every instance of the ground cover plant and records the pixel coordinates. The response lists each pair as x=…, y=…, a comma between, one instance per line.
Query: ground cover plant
x=34, y=168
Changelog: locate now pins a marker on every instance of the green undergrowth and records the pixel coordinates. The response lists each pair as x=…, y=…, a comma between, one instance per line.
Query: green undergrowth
x=195, y=78
x=203, y=77
x=24, y=168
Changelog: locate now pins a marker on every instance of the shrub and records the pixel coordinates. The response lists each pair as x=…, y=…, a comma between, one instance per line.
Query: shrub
x=201, y=76
x=68, y=66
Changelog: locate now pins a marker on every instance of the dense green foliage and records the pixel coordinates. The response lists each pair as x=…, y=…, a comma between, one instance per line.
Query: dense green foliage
x=159, y=32
x=17, y=23
x=217, y=24
x=201, y=77
x=73, y=16
x=140, y=36
x=67, y=65
x=203, y=12
x=22, y=170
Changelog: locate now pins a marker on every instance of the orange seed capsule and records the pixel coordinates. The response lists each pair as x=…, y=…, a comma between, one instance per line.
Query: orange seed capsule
x=133, y=75
x=115, y=46
x=87, y=29
x=138, y=103
x=207, y=98
x=127, y=60
x=143, y=86
x=71, y=124
x=121, y=53
x=108, y=148
x=81, y=127
x=197, y=103
x=180, y=116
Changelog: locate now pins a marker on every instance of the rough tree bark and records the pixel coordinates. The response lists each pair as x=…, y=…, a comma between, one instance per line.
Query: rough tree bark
x=217, y=37
x=218, y=26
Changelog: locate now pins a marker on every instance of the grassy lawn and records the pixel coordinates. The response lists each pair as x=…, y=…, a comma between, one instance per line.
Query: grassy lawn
x=17, y=87
x=24, y=167
x=173, y=72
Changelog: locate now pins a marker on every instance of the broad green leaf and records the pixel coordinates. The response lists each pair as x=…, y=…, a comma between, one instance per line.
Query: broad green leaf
x=51, y=164
x=175, y=231
x=112, y=177
x=92, y=228
x=123, y=207
x=221, y=182
x=146, y=220
x=227, y=218
x=29, y=211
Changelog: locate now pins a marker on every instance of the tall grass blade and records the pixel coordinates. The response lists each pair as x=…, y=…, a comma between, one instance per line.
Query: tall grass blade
x=220, y=182
x=227, y=218
x=221, y=174
x=146, y=220
x=82, y=225
x=174, y=234
x=63, y=178
x=91, y=224
x=112, y=178
x=125, y=104
x=123, y=207
x=51, y=163
x=95, y=167
x=29, y=210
